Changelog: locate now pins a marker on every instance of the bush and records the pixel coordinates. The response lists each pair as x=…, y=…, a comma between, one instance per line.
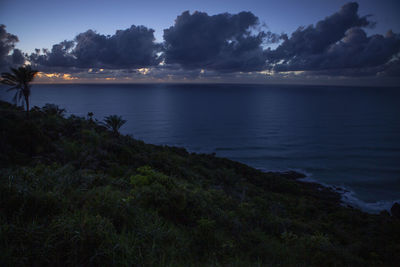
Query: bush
x=71, y=193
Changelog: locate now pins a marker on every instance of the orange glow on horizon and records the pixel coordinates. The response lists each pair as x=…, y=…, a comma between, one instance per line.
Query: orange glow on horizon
x=56, y=76
x=144, y=71
x=68, y=77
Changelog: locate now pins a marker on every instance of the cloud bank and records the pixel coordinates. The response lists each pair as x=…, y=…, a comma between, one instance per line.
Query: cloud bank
x=199, y=45
x=131, y=48
x=223, y=42
x=336, y=45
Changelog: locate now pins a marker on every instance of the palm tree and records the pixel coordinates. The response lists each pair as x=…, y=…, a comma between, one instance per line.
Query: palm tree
x=53, y=109
x=20, y=80
x=114, y=122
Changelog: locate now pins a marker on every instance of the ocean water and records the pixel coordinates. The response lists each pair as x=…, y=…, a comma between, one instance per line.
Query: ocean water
x=347, y=137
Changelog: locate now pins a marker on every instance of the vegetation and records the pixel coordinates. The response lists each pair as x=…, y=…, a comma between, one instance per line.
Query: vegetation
x=20, y=79
x=113, y=122
x=74, y=194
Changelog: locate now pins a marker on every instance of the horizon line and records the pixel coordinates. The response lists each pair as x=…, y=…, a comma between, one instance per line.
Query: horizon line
x=215, y=83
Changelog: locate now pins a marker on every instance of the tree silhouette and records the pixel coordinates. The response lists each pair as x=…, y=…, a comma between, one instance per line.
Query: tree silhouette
x=53, y=109
x=114, y=122
x=20, y=80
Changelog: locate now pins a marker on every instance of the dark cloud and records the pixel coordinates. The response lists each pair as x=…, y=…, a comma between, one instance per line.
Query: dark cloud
x=392, y=69
x=222, y=42
x=130, y=48
x=7, y=45
x=316, y=39
x=337, y=45
x=18, y=57
x=59, y=56
x=225, y=44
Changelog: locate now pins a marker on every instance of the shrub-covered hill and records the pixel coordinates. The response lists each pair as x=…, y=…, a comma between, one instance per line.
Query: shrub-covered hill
x=74, y=194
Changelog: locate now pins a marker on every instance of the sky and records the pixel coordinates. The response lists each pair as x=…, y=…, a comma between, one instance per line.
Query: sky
x=252, y=41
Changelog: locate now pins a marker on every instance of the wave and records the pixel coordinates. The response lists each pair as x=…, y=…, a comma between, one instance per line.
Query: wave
x=348, y=197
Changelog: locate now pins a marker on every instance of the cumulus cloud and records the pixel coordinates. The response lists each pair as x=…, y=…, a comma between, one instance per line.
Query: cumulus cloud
x=199, y=45
x=130, y=48
x=336, y=45
x=222, y=42
x=392, y=69
x=7, y=45
x=59, y=56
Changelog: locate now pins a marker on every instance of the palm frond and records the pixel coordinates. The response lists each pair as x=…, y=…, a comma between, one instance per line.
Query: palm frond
x=15, y=98
x=114, y=122
x=8, y=79
x=19, y=79
x=13, y=88
x=8, y=75
x=7, y=82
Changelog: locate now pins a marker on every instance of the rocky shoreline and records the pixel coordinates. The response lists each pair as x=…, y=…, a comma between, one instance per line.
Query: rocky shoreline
x=313, y=188
x=331, y=194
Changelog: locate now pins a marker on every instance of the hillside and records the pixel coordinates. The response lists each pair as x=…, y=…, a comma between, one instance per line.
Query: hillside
x=74, y=194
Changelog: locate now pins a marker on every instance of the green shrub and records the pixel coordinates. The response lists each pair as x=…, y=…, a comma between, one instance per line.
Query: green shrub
x=82, y=239
x=108, y=203
x=73, y=194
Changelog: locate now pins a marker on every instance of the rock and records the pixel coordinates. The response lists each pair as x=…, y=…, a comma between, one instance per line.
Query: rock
x=395, y=210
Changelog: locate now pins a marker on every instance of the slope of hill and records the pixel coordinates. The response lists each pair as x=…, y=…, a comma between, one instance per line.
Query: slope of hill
x=74, y=194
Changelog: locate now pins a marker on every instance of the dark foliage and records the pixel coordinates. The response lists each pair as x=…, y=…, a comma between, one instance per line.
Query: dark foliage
x=114, y=123
x=74, y=194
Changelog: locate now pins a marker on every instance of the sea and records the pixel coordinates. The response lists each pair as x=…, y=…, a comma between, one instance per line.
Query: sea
x=347, y=138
